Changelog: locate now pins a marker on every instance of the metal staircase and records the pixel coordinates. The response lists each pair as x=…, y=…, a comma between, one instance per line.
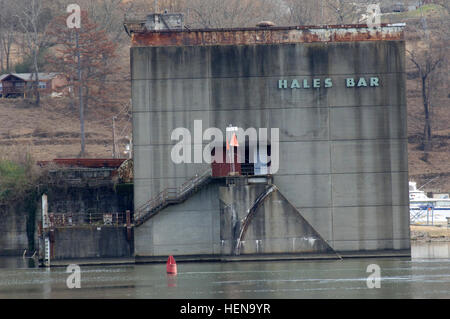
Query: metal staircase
x=171, y=196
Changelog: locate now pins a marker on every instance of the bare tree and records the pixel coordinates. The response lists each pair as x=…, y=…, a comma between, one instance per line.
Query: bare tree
x=303, y=12
x=217, y=13
x=30, y=15
x=429, y=56
x=7, y=33
x=343, y=11
x=445, y=4
x=230, y=13
x=1, y=56
x=85, y=64
x=108, y=15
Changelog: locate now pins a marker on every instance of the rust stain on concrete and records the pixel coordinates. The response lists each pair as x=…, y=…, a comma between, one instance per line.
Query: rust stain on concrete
x=273, y=35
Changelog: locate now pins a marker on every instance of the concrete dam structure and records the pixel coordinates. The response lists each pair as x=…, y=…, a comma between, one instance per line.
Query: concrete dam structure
x=334, y=181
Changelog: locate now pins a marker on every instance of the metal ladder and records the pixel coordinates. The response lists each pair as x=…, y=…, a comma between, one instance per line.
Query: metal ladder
x=171, y=196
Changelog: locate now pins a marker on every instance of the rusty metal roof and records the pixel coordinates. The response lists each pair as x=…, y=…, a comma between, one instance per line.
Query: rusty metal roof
x=86, y=162
x=257, y=35
x=30, y=76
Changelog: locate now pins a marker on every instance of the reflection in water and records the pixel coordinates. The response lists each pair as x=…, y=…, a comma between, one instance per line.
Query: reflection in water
x=171, y=281
x=435, y=250
x=8, y=262
x=426, y=275
x=47, y=283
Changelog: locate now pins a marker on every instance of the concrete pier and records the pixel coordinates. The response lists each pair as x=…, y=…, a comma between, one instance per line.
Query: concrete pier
x=337, y=96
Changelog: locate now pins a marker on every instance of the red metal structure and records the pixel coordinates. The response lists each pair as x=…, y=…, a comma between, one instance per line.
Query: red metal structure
x=171, y=266
x=224, y=169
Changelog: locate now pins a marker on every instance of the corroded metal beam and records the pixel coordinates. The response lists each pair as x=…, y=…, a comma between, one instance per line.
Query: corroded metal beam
x=273, y=35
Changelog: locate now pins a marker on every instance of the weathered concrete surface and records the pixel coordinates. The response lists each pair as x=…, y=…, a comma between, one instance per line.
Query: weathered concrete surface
x=192, y=228
x=103, y=261
x=78, y=191
x=91, y=242
x=15, y=235
x=343, y=150
x=224, y=221
x=257, y=219
x=87, y=190
x=248, y=36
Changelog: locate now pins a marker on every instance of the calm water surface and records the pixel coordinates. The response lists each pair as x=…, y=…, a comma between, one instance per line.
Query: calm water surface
x=425, y=275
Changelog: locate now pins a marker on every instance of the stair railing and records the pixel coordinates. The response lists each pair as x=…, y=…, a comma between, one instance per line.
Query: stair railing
x=171, y=195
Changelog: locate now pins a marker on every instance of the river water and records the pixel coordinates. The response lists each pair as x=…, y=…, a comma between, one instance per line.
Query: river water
x=425, y=275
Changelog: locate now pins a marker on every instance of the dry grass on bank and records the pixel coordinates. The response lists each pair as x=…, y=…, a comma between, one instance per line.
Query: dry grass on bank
x=430, y=233
x=53, y=130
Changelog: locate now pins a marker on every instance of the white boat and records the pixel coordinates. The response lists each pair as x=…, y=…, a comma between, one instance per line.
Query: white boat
x=425, y=210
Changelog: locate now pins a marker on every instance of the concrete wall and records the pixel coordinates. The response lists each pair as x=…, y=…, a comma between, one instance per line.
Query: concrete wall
x=87, y=190
x=212, y=223
x=192, y=228
x=14, y=237
x=257, y=219
x=343, y=151
x=74, y=191
x=91, y=242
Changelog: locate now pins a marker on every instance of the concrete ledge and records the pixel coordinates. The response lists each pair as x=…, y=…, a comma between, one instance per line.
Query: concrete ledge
x=278, y=257
x=406, y=253
x=375, y=253
x=93, y=262
x=223, y=258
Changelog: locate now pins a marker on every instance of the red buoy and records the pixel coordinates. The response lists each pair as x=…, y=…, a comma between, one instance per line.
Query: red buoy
x=171, y=266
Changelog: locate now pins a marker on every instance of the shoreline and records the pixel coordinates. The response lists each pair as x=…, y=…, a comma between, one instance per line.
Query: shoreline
x=420, y=234
x=429, y=234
